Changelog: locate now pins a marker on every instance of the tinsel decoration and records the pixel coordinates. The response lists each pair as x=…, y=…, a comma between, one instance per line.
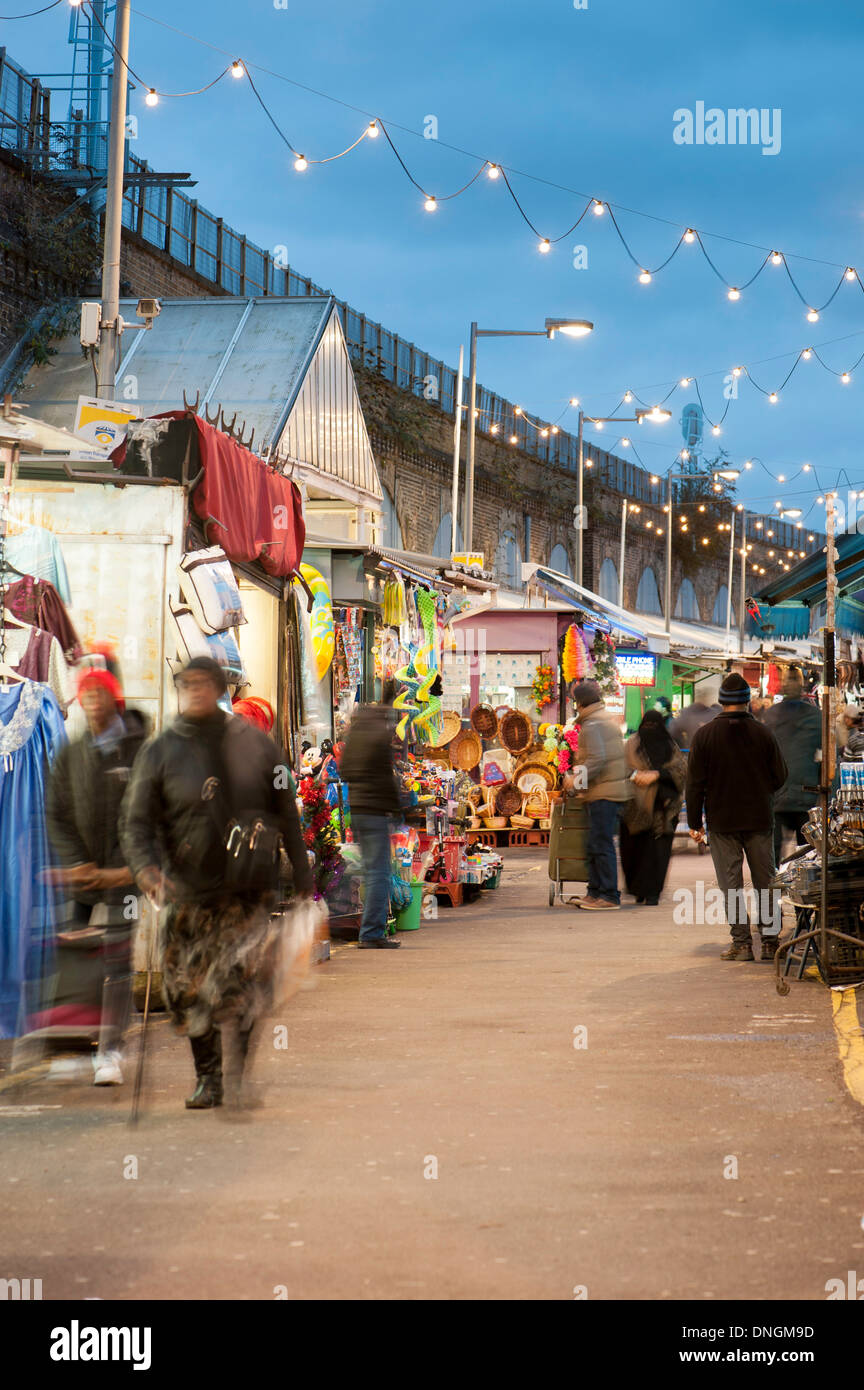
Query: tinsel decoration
x=605, y=674
x=575, y=662
x=321, y=835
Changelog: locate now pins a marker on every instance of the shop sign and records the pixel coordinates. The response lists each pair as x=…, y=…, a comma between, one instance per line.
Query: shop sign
x=636, y=668
x=468, y=560
x=102, y=422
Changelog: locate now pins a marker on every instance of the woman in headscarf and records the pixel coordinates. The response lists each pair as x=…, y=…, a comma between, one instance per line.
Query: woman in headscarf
x=648, y=825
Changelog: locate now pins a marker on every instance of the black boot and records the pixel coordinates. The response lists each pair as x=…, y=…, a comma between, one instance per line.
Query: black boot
x=207, y=1052
x=237, y=1093
x=207, y=1094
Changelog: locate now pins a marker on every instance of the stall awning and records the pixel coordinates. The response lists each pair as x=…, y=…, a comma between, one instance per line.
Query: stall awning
x=597, y=610
x=805, y=582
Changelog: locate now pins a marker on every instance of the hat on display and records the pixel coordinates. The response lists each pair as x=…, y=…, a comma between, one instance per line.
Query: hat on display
x=735, y=690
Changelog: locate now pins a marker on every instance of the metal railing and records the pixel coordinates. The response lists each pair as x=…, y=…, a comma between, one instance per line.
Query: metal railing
x=166, y=218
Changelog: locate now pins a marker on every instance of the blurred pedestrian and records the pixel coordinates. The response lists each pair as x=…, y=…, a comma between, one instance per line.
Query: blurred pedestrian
x=649, y=818
x=691, y=718
x=664, y=705
x=208, y=781
x=373, y=797
x=88, y=782
x=734, y=769
x=599, y=777
x=796, y=724
x=844, y=724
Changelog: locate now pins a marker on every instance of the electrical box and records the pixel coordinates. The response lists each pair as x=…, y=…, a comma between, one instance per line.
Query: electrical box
x=91, y=317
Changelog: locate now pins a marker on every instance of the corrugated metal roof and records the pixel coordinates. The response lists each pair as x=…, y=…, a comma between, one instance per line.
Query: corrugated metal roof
x=280, y=364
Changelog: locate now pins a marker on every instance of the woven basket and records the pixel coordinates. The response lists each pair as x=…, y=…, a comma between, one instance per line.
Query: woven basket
x=495, y=822
x=531, y=774
x=537, y=804
x=508, y=800
x=484, y=721
x=521, y=822
x=545, y=822
x=466, y=750
x=515, y=731
x=451, y=724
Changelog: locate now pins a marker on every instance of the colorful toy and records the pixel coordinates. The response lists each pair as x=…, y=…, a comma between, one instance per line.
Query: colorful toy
x=320, y=620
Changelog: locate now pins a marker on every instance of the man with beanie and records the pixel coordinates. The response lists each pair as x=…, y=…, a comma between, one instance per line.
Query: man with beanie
x=209, y=777
x=600, y=777
x=734, y=769
x=86, y=788
x=373, y=795
x=797, y=726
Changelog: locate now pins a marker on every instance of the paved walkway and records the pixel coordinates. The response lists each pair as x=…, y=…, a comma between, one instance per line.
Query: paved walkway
x=431, y=1130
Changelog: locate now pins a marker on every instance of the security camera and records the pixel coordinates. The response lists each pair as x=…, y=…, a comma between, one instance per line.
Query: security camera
x=148, y=309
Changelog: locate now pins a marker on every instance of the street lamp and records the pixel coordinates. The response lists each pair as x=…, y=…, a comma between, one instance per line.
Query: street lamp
x=571, y=328
x=655, y=414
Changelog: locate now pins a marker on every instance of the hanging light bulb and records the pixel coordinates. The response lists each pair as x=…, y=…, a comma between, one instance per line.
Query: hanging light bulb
x=493, y=172
x=517, y=410
x=237, y=68
x=598, y=209
x=850, y=272
x=574, y=401
x=689, y=235
x=685, y=381
x=811, y=538
x=845, y=378
x=598, y=424
x=736, y=371
x=747, y=463
x=152, y=97
x=812, y=316
x=628, y=396
x=758, y=525
x=805, y=468
x=705, y=540
x=431, y=204
x=493, y=429
x=701, y=506
x=545, y=245
x=771, y=552
x=301, y=163
x=372, y=130
x=554, y=429
x=544, y=434
x=781, y=477
x=514, y=439
x=685, y=454
x=776, y=258
x=733, y=293
x=644, y=277
x=807, y=354
x=773, y=398
x=715, y=430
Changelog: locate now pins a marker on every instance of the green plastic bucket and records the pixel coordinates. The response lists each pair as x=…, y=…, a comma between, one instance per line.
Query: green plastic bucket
x=408, y=919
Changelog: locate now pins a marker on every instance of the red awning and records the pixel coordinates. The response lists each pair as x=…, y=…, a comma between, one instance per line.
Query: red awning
x=250, y=510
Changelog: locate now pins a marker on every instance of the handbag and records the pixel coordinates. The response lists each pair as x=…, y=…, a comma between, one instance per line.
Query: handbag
x=253, y=849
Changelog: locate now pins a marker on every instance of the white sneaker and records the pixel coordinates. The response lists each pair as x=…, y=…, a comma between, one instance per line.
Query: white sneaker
x=67, y=1069
x=106, y=1066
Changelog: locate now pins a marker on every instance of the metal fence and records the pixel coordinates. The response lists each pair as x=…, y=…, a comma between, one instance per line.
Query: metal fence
x=166, y=218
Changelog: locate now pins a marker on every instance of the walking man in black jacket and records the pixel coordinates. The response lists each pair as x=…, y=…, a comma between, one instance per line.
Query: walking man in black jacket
x=88, y=782
x=367, y=767
x=734, y=769
x=207, y=772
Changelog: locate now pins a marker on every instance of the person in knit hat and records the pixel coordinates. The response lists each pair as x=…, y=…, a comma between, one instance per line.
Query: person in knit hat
x=796, y=724
x=600, y=777
x=88, y=782
x=734, y=769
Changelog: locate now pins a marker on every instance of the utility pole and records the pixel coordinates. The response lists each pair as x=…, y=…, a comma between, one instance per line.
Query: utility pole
x=457, y=449
x=580, y=515
x=729, y=582
x=109, y=338
x=667, y=597
x=469, y=466
x=621, y=561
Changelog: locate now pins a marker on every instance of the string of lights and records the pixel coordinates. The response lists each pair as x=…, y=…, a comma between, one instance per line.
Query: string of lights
x=499, y=172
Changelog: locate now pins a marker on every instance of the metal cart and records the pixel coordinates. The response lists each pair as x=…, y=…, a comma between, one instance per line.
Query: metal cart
x=568, y=847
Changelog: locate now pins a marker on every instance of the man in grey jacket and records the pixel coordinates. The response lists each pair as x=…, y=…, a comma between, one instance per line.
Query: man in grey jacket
x=600, y=777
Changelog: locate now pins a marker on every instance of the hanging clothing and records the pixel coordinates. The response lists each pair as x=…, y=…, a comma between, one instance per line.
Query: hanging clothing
x=36, y=656
x=36, y=551
x=31, y=733
x=36, y=601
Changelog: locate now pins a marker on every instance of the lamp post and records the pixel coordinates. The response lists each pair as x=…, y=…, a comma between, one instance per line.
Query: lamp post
x=108, y=334
x=729, y=474
x=657, y=416
x=625, y=507
x=571, y=328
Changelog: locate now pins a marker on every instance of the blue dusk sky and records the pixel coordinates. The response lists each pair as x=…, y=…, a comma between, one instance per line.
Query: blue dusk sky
x=583, y=99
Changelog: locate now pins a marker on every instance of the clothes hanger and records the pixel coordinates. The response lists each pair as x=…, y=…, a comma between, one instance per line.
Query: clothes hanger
x=9, y=620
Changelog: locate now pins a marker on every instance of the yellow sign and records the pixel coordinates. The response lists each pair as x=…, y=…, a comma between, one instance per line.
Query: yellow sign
x=467, y=561
x=103, y=422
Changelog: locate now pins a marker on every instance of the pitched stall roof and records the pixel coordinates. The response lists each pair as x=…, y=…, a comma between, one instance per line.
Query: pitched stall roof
x=279, y=365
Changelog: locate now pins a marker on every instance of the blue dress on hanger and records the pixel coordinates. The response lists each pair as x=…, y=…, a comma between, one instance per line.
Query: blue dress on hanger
x=31, y=733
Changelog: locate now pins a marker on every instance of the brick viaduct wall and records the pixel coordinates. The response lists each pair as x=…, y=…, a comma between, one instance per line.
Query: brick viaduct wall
x=412, y=438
